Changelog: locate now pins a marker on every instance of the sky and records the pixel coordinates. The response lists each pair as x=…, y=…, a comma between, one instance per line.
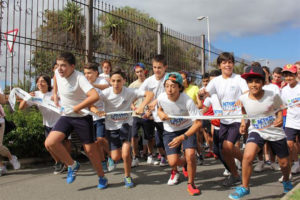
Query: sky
x=265, y=30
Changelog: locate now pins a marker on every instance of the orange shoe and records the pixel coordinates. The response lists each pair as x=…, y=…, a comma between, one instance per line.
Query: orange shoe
x=193, y=190
x=209, y=155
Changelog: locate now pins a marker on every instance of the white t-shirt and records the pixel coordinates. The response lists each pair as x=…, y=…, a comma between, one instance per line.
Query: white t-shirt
x=214, y=101
x=289, y=96
x=266, y=106
x=49, y=117
x=184, y=106
x=1, y=117
x=228, y=91
x=102, y=75
x=272, y=87
x=72, y=91
x=99, y=104
x=155, y=86
x=119, y=102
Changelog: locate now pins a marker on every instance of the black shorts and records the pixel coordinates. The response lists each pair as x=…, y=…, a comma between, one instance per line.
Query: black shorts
x=147, y=126
x=117, y=137
x=230, y=132
x=278, y=147
x=159, y=134
x=291, y=133
x=82, y=126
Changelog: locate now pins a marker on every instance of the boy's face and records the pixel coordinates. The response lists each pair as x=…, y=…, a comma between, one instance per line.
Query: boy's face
x=117, y=82
x=227, y=67
x=255, y=85
x=205, y=82
x=172, y=89
x=290, y=78
x=64, y=68
x=106, y=68
x=140, y=72
x=90, y=75
x=158, y=69
x=276, y=77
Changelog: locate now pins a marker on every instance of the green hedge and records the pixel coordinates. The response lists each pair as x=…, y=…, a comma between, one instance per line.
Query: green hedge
x=27, y=140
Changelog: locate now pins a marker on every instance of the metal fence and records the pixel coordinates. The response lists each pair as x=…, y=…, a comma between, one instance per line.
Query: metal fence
x=37, y=30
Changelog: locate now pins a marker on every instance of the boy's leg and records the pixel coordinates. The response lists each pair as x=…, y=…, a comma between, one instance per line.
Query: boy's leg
x=191, y=164
x=126, y=158
x=94, y=156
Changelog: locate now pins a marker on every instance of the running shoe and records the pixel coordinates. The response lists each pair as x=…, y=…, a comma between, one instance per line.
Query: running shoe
x=71, y=176
x=193, y=190
x=231, y=181
x=163, y=162
x=209, y=155
x=174, y=178
x=128, y=182
x=226, y=172
x=295, y=168
x=290, y=178
x=287, y=186
x=259, y=166
x=102, y=182
x=275, y=166
x=104, y=166
x=14, y=162
x=58, y=167
x=111, y=164
x=239, y=193
x=200, y=159
x=135, y=162
x=150, y=160
x=3, y=170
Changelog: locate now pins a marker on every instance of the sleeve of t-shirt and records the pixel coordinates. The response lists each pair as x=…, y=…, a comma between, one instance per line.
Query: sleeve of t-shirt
x=104, y=94
x=159, y=99
x=210, y=88
x=138, y=93
x=243, y=85
x=207, y=102
x=84, y=84
x=283, y=96
x=277, y=102
x=144, y=86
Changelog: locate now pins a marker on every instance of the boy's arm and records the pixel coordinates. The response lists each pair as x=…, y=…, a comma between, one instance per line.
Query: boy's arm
x=161, y=114
x=92, y=97
x=101, y=86
x=148, y=97
x=191, y=131
x=55, y=96
x=278, y=121
x=243, y=126
x=2, y=98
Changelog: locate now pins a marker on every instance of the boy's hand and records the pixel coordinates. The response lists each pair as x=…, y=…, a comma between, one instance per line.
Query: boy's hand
x=151, y=106
x=139, y=110
x=100, y=113
x=32, y=94
x=147, y=114
x=238, y=103
x=176, y=141
x=278, y=122
x=163, y=116
x=76, y=110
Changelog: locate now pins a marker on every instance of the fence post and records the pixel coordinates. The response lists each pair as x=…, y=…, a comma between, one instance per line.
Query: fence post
x=89, y=31
x=202, y=54
x=159, y=38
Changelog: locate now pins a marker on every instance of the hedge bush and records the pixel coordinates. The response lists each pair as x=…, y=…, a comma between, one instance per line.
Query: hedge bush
x=27, y=140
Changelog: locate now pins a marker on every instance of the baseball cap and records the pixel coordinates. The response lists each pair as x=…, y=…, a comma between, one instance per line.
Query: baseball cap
x=174, y=76
x=290, y=68
x=141, y=65
x=253, y=71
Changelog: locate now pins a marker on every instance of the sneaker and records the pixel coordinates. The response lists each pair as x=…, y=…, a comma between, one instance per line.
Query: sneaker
x=200, y=160
x=287, y=186
x=275, y=166
x=238, y=164
x=3, y=170
x=259, y=166
x=231, y=180
x=64, y=169
x=295, y=168
x=104, y=166
x=193, y=190
x=268, y=162
x=163, y=162
x=281, y=178
x=15, y=163
x=184, y=171
x=128, y=182
x=102, y=182
x=58, y=168
x=226, y=172
x=111, y=164
x=135, y=162
x=150, y=160
x=209, y=155
x=71, y=176
x=174, y=178
x=157, y=160
x=239, y=193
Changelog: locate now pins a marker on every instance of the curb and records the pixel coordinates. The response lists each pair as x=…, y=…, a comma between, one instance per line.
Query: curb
x=290, y=193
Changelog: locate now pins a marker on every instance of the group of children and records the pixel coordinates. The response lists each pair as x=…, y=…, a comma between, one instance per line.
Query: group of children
x=170, y=111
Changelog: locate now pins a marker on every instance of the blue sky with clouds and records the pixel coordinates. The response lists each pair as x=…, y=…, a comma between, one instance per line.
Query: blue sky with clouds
x=256, y=29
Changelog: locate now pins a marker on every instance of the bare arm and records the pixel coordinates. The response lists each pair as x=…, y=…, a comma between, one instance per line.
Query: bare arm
x=2, y=99
x=161, y=114
x=148, y=97
x=55, y=96
x=101, y=86
x=92, y=97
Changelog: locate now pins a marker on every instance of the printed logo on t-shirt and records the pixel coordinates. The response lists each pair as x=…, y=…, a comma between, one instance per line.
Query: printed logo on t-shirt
x=37, y=100
x=291, y=102
x=230, y=106
x=178, y=121
x=119, y=117
x=218, y=112
x=263, y=123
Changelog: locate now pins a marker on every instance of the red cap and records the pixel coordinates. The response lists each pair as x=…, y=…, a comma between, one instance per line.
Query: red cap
x=290, y=68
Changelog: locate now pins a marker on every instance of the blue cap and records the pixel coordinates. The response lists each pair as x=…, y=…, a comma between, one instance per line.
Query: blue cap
x=174, y=76
x=139, y=65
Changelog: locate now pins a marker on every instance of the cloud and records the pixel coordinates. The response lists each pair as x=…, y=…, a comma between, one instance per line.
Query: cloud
x=234, y=17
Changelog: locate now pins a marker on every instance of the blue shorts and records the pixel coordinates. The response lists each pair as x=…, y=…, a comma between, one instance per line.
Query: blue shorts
x=291, y=133
x=190, y=143
x=99, y=127
x=147, y=126
x=230, y=132
x=82, y=126
x=278, y=147
x=117, y=137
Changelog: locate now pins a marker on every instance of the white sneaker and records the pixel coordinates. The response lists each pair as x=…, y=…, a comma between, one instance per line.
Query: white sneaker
x=163, y=162
x=281, y=178
x=275, y=166
x=150, y=160
x=295, y=168
x=15, y=163
x=174, y=178
x=238, y=163
x=135, y=162
x=259, y=166
x=3, y=170
x=226, y=173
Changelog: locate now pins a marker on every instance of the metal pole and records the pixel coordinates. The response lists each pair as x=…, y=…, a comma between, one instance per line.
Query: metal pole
x=11, y=71
x=203, y=54
x=208, y=40
x=89, y=31
x=159, y=38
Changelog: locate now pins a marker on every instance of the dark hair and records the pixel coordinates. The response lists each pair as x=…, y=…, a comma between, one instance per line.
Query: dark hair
x=47, y=79
x=119, y=71
x=187, y=76
x=54, y=63
x=205, y=75
x=92, y=66
x=255, y=64
x=215, y=73
x=277, y=70
x=160, y=58
x=106, y=61
x=297, y=63
x=268, y=70
x=181, y=88
x=255, y=77
x=68, y=57
x=225, y=56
